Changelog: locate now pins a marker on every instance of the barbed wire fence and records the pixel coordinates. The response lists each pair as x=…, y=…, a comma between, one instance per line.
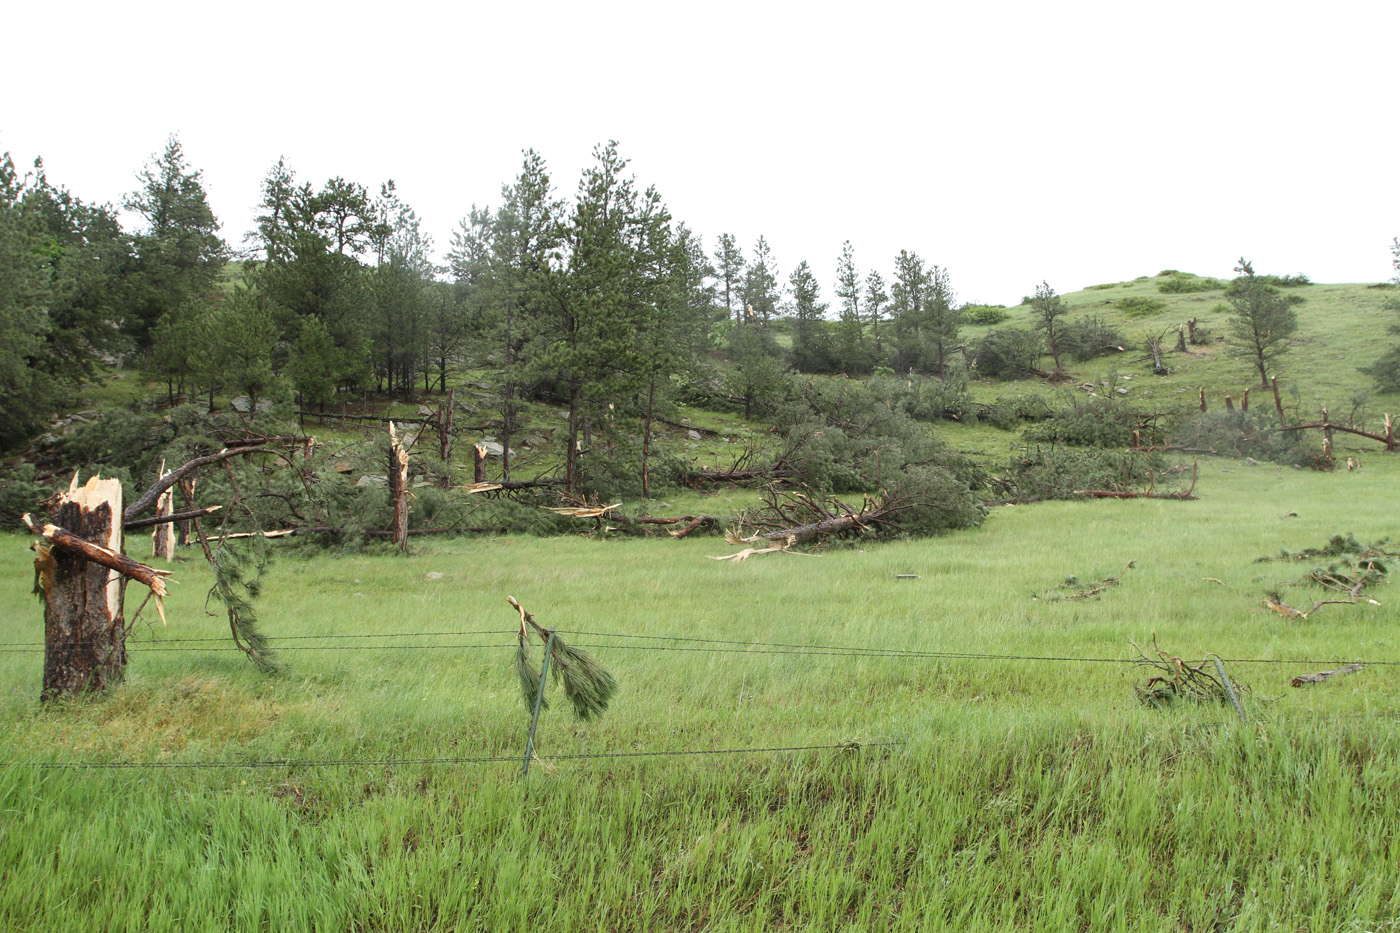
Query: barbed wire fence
x=391, y=641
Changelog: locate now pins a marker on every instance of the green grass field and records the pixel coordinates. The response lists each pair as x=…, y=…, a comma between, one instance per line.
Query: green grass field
x=1021, y=794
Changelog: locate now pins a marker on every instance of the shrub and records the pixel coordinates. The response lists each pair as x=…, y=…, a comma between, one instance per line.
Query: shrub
x=985, y=315
x=1385, y=371
x=1008, y=354
x=1084, y=338
x=1136, y=306
x=1181, y=283
x=1008, y=411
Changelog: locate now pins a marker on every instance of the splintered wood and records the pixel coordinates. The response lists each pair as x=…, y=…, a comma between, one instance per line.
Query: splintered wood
x=589, y=511
x=398, y=489
x=162, y=535
x=79, y=575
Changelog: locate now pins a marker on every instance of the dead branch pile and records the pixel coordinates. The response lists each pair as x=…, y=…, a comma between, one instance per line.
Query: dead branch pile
x=1074, y=588
x=1177, y=680
x=1347, y=568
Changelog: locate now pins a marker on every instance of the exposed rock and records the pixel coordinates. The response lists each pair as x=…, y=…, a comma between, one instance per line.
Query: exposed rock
x=368, y=480
x=432, y=575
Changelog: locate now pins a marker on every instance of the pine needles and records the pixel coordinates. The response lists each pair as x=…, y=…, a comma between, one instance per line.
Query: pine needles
x=238, y=576
x=588, y=685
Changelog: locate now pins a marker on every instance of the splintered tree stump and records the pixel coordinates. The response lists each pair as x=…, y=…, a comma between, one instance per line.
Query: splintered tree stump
x=398, y=489
x=479, y=463
x=162, y=535
x=84, y=633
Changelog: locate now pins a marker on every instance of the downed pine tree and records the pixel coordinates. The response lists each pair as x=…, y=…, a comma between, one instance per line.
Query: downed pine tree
x=919, y=501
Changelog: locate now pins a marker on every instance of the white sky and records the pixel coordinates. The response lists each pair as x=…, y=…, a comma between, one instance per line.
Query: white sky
x=1011, y=142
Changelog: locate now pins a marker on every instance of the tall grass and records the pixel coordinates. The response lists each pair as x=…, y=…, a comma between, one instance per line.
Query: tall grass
x=1026, y=794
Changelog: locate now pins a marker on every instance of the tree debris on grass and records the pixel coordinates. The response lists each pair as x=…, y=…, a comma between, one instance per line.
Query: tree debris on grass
x=588, y=685
x=1351, y=569
x=1074, y=588
x=1178, y=680
x=1303, y=680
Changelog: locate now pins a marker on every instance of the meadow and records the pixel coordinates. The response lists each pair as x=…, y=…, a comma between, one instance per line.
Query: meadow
x=1000, y=773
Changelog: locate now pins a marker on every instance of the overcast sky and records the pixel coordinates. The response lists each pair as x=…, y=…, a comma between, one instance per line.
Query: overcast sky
x=1010, y=143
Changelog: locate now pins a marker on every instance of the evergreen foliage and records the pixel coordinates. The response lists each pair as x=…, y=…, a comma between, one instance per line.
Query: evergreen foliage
x=1261, y=320
x=1385, y=371
x=1008, y=354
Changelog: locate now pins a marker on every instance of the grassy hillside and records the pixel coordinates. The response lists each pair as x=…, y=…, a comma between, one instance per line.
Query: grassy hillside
x=1340, y=327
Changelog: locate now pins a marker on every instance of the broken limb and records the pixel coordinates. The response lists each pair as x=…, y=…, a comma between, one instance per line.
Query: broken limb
x=1303, y=680
x=141, y=573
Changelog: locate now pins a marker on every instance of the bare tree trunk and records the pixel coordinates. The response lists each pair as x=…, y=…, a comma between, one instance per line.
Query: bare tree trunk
x=479, y=464
x=84, y=633
x=646, y=435
x=571, y=461
x=1278, y=404
x=398, y=490
x=445, y=416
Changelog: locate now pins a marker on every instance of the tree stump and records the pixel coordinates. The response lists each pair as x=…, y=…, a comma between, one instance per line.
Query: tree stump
x=84, y=633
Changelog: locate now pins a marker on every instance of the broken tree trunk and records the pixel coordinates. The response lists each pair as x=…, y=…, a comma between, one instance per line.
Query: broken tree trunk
x=84, y=632
x=1154, y=344
x=1388, y=439
x=398, y=489
x=479, y=464
x=182, y=535
x=1305, y=679
x=162, y=535
x=1278, y=403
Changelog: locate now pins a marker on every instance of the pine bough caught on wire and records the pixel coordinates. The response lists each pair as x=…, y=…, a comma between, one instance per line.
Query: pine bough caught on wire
x=588, y=685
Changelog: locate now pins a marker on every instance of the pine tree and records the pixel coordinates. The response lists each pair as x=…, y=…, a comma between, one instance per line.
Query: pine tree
x=811, y=345
x=760, y=291
x=729, y=270
x=851, y=352
x=1047, y=308
x=1261, y=319
x=875, y=300
x=179, y=255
